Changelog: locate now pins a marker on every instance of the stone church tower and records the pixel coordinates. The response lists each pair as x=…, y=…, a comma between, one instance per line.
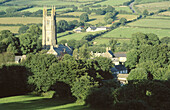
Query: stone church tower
x=49, y=37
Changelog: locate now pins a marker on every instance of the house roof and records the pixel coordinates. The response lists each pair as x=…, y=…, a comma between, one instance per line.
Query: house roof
x=120, y=67
x=93, y=28
x=60, y=49
x=120, y=54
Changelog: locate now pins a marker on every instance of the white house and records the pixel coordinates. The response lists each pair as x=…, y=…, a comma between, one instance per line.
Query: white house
x=91, y=29
x=94, y=29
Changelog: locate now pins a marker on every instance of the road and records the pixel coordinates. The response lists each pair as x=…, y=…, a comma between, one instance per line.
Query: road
x=131, y=7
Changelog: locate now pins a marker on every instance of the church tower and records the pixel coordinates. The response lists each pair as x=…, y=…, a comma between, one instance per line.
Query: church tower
x=49, y=29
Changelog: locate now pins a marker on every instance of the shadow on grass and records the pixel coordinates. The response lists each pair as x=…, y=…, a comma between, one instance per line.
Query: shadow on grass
x=34, y=104
x=91, y=19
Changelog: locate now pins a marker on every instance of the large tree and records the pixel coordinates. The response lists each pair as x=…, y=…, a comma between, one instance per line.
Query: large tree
x=84, y=17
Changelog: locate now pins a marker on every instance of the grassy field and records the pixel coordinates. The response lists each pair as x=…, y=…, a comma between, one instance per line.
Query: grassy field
x=126, y=32
x=73, y=13
x=153, y=7
x=3, y=8
x=13, y=29
x=76, y=36
x=124, y=8
x=50, y=2
x=29, y=102
x=113, y=2
x=27, y=20
x=167, y=13
x=154, y=23
x=102, y=40
x=147, y=1
x=127, y=16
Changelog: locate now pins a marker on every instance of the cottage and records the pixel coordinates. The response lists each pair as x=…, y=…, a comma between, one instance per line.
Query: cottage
x=78, y=30
x=91, y=29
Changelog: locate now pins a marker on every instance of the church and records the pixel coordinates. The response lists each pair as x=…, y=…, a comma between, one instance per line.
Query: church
x=49, y=35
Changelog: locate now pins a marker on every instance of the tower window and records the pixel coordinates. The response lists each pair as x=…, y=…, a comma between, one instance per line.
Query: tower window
x=48, y=22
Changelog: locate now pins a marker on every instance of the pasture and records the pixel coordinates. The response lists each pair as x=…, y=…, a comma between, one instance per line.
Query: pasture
x=28, y=20
x=167, y=13
x=113, y=2
x=153, y=7
x=102, y=40
x=13, y=29
x=124, y=8
x=76, y=36
x=50, y=2
x=147, y=1
x=127, y=16
x=29, y=102
x=152, y=23
x=126, y=32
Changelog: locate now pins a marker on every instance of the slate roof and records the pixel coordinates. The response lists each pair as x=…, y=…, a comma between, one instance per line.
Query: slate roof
x=60, y=49
x=120, y=67
x=93, y=28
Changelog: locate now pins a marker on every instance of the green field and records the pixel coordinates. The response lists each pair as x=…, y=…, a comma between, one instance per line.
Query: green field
x=49, y=2
x=28, y=20
x=102, y=40
x=124, y=8
x=126, y=32
x=167, y=13
x=147, y=1
x=76, y=36
x=113, y=2
x=153, y=7
x=153, y=23
x=13, y=29
x=29, y=102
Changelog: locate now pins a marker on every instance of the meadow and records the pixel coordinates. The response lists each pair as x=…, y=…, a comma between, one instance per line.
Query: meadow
x=102, y=40
x=124, y=8
x=76, y=36
x=49, y=2
x=13, y=29
x=126, y=32
x=30, y=102
x=28, y=20
x=113, y=2
x=147, y=1
x=152, y=23
x=153, y=7
x=167, y=13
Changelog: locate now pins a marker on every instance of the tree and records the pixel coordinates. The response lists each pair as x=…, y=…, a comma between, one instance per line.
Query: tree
x=82, y=87
x=83, y=52
x=113, y=43
x=28, y=43
x=34, y=30
x=39, y=64
x=132, y=59
x=75, y=8
x=145, y=12
x=100, y=12
x=23, y=29
x=165, y=40
x=137, y=74
x=5, y=34
x=84, y=17
x=62, y=26
x=109, y=9
x=123, y=21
